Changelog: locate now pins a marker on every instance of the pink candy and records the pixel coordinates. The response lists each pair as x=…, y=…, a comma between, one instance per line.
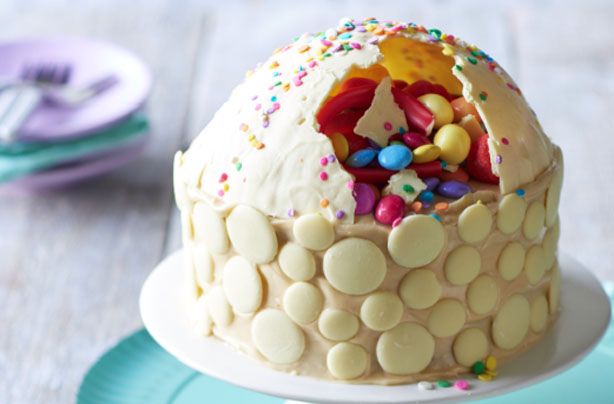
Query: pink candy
x=461, y=384
x=365, y=198
x=389, y=209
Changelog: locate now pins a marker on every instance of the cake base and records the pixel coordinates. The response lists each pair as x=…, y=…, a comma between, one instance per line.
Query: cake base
x=585, y=313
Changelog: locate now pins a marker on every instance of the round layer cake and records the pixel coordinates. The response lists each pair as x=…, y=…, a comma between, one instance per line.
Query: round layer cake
x=376, y=203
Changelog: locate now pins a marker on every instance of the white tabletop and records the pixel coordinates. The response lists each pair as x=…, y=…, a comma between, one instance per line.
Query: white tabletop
x=72, y=263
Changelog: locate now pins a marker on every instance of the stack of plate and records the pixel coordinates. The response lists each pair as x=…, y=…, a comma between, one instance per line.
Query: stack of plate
x=60, y=145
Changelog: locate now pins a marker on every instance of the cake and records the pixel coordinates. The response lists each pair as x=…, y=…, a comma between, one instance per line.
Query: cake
x=376, y=203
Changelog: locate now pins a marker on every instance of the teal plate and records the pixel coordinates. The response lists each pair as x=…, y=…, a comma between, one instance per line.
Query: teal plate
x=138, y=370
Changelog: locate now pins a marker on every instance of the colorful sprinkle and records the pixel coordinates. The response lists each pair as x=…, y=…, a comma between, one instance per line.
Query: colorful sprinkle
x=483, y=95
x=520, y=192
x=498, y=159
x=461, y=385
x=323, y=176
x=387, y=126
x=416, y=206
x=324, y=203
x=340, y=214
x=323, y=161
x=444, y=383
x=223, y=177
x=505, y=141
x=239, y=166
x=291, y=212
x=331, y=158
x=441, y=206
x=408, y=189
x=436, y=216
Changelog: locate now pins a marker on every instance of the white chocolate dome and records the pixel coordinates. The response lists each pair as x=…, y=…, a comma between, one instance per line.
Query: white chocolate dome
x=263, y=148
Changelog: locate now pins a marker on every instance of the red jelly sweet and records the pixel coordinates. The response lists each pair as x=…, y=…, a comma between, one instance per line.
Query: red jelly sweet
x=354, y=98
x=343, y=123
x=371, y=175
x=417, y=115
x=422, y=87
x=458, y=175
x=356, y=82
x=478, y=163
x=389, y=209
x=426, y=170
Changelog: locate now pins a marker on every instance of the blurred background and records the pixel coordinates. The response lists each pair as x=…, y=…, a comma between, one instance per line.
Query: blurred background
x=72, y=260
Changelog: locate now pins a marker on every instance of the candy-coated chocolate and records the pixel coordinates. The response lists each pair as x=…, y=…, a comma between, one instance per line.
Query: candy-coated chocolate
x=462, y=108
x=365, y=198
x=431, y=183
x=458, y=175
x=341, y=146
x=439, y=107
x=414, y=140
x=426, y=196
x=376, y=191
x=395, y=157
x=389, y=208
x=425, y=170
x=454, y=142
x=361, y=158
x=426, y=153
x=478, y=162
x=453, y=189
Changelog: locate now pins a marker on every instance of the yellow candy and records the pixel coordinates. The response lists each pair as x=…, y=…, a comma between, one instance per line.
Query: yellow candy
x=426, y=153
x=454, y=142
x=491, y=363
x=341, y=146
x=439, y=107
x=485, y=377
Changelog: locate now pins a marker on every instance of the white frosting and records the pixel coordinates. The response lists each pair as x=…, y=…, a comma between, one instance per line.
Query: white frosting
x=276, y=169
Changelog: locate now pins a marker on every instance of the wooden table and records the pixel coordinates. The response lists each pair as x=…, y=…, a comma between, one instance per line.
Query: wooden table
x=72, y=262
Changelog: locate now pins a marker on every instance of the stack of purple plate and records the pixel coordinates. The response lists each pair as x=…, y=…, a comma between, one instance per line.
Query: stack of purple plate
x=60, y=145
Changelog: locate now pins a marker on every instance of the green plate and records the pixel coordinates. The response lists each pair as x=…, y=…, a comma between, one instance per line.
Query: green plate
x=138, y=370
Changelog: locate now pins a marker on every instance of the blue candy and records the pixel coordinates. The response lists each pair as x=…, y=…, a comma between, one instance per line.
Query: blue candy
x=426, y=196
x=360, y=158
x=453, y=189
x=395, y=157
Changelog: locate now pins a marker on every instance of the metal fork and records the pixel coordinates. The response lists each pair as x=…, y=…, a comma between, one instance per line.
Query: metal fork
x=21, y=100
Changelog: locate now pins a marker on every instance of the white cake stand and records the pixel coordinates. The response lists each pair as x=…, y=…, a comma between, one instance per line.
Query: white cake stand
x=584, y=317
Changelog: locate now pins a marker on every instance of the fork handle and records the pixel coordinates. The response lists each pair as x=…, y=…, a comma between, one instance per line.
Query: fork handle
x=22, y=106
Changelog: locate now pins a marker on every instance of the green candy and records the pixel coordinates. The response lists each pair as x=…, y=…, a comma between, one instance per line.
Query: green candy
x=478, y=368
x=444, y=383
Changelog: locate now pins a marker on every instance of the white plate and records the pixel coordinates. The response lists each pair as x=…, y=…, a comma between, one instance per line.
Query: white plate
x=585, y=314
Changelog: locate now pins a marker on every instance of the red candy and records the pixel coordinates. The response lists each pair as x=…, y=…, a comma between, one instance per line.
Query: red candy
x=371, y=175
x=478, y=163
x=353, y=98
x=389, y=209
x=414, y=140
x=426, y=170
x=400, y=84
x=422, y=87
x=458, y=175
x=356, y=82
x=417, y=115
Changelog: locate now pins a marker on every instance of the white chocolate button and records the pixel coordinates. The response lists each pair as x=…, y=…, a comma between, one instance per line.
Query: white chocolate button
x=203, y=265
x=179, y=187
x=191, y=289
x=447, y=318
x=539, y=314
x=407, y=348
x=218, y=306
x=187, y=228
x=470, y=346
x=203, y=325
x=482, y=294
x=354, y=266
x=420, y=289
x=553, y=196
x=511, y=323
x=209, y=227
x=534, y=220
x=381, y=311
x=303, y=302
x=314, y=232
x=549, y=247
x=511, y=261
x=296, y=262
x=462, y=265
x=535, y=264
x=251, y=234
x=474, y=223
x=242, y=285
x=338, y=325
x=511, y=213
x=347, y=361
x=416, y=241
x=276, y=337
x=554, y=291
